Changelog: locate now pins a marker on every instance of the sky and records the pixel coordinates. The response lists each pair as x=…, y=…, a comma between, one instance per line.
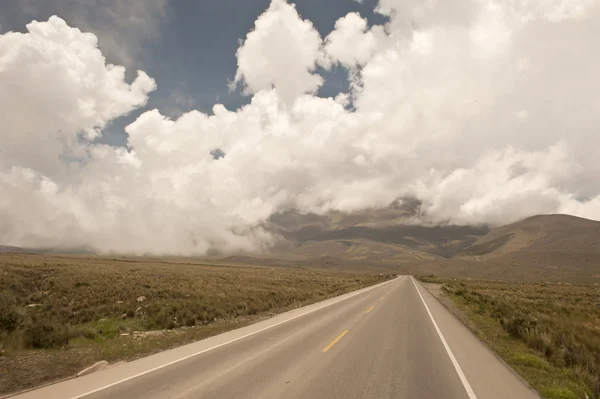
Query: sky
x=179, y=127
x=187, y=46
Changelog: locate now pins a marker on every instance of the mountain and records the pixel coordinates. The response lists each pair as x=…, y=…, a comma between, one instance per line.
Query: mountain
x=395, y=233
x=543, y=247
x=551, y=234
x=9, y=249
x=21, y=250
x=387, y=234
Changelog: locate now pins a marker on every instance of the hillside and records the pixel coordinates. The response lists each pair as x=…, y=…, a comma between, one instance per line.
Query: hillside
x=14, y=250
x=21, y=250
x=543, y=247
x=539, y=234
x=390, y=234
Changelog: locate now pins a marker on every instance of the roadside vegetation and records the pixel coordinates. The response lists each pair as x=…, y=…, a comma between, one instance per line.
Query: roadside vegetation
x=59, y=314
x=549, y=333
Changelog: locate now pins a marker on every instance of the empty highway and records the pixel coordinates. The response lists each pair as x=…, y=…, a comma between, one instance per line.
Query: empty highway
x=393, y=340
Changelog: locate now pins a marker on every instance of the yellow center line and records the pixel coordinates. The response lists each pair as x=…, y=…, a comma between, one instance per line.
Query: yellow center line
x=371, y=308
x=325, y=349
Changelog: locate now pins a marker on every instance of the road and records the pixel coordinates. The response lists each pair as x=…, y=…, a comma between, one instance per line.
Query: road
x=393, y=340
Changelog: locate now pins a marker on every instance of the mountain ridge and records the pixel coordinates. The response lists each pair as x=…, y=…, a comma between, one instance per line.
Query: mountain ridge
x=390, y=239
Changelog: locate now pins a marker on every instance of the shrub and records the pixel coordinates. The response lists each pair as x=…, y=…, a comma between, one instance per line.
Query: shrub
x=519, y=325
x=43, y=336
x=9, y=320
x=87, y=333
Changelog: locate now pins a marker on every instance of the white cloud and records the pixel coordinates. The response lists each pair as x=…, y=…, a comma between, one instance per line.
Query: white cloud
x=56, y=89
x=410, y=15
x=550, y=10
x=282, y=52
x=490, y=32
x=462, y=108
x=521, y=114
x=351, y=43
x=510, y=184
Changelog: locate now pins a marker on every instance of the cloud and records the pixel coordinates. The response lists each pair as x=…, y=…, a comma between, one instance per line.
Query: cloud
x=351, y=43
x=57, y=92
x=550, y=10
x=281, y=52
x=510, y=184
x=457, y=105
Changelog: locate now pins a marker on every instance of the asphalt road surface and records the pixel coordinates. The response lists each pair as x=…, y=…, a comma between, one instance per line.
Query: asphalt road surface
x=393, y=340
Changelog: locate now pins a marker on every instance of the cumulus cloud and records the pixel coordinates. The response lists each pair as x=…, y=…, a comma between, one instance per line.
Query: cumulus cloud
x=57, y=92
x=455, y=103
x=351, y=43
x=281, y=52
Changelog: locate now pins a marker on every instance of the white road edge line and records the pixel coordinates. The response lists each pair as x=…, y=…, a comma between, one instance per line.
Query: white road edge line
x=459, y=371
x=362, y=291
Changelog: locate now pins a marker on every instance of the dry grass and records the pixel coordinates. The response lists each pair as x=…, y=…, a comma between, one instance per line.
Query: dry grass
x=82, y=306
x=548, y=332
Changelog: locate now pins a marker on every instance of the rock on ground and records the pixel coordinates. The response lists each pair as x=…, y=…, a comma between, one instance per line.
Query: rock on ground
x=101, y=365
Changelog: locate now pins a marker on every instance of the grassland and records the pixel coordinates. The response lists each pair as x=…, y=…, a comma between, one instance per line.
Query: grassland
x=60, y=314
x=548, y=332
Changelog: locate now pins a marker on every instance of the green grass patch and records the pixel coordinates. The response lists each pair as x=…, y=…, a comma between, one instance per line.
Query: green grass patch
x=557, y=393
x=529, y=360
